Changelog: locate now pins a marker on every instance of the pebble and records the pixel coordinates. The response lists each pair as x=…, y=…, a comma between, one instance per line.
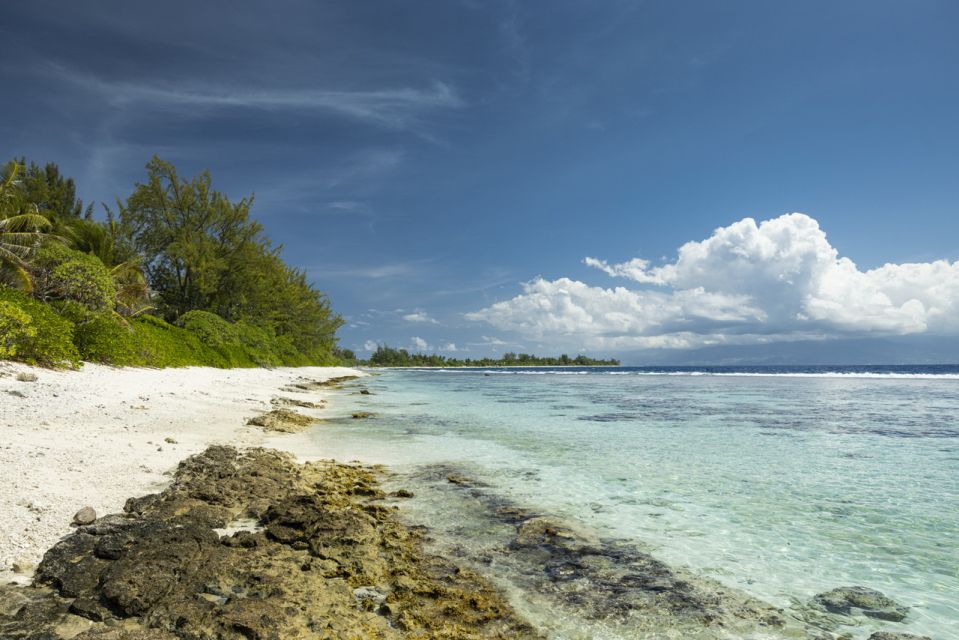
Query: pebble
x=86, y=515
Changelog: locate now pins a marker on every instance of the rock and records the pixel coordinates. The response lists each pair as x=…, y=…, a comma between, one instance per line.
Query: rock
x=89, y=609
x=293, y=402
x=457, y=479
x=869, y=602
x=331, y=561
x=86, y=515
x=543, y=530
x=26, y=377
x=12, y=601
x=15, y=393
x=402, y=493
x=896, y=635
x=365, y=392
x=369, y=593
x=362, y=414
x=283, y=420
x=169, y=440
x=22, y=566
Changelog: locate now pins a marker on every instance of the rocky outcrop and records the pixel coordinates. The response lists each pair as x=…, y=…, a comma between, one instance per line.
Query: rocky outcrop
x=282, y=401
x=328, y=560
x=849, y=601
x=892, y=635
x=283, y=421
x=313, y=385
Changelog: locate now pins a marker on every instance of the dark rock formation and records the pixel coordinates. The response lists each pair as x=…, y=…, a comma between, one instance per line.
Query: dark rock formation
x=328, y=561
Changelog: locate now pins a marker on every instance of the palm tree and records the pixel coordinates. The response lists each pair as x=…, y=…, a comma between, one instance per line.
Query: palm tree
x=22, y=229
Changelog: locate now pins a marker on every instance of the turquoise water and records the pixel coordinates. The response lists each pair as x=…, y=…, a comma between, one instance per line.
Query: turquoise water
x=783, y=486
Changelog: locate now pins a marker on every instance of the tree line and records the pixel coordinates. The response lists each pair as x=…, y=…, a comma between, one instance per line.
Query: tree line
x=386, y=356
x=176, y=260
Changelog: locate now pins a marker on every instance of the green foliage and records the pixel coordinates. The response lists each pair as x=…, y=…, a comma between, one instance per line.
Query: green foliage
x=345, y=357
x=22, y=229
x=203, y=252
x=385, y=356
x=15, y=329
x=52, y=343
x=100, y=336
x=210, y=328
x=242, y=344
x=62, y=273
x=52, y=193
x=161, y=344
x=177, y=246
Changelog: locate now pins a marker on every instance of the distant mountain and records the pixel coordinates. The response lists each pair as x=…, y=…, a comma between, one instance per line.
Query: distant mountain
x=900, y=350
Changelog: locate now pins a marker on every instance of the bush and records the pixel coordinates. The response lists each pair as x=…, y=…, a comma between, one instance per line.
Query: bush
x=61, y=273
x=161, y=344
x=51, y=344
x=100, y=336
x=15, y=328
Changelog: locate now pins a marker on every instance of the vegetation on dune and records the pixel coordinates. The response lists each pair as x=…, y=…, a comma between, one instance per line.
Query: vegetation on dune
x=385, y=356
x=178, y=276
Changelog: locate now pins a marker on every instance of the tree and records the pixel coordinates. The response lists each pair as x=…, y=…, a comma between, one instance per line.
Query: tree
x=201, y=251
x=53, y=194
x=22, y=229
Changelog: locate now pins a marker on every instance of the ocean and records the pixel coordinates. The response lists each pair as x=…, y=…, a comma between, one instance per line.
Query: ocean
x=777, y=483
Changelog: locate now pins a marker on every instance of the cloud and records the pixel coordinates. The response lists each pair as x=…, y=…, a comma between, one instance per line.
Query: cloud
x=369, y=345
x=395, y=107
x=419, y=316
x=779, y=280
x=419, y=344
x=449, y=346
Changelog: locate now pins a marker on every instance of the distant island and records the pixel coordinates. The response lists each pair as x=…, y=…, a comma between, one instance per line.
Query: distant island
x=385, y=356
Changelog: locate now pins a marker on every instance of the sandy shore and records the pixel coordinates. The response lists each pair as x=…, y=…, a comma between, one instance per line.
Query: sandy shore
x=100, y=435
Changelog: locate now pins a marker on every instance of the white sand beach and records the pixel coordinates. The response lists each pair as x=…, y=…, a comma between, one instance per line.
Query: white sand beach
x=100, y=435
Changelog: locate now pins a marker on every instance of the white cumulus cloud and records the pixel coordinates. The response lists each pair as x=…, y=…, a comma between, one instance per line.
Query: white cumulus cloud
x=780, y=279
x=419, y=344
x=369, y=345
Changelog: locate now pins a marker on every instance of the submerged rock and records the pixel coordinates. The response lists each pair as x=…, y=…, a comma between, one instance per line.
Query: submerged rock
x=362, y=414
x=894, y=635
x=283, y=420
x=567, y=573
x=849, y=601
x=330, y=561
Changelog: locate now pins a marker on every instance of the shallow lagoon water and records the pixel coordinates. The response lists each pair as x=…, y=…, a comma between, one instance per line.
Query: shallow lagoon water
x=781, y=485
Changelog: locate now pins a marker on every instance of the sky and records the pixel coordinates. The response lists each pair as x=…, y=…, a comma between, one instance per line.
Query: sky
x=638, y=179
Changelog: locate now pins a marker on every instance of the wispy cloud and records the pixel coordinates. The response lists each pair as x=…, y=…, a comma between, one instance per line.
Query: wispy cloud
x=383, y=271
x=395, y=107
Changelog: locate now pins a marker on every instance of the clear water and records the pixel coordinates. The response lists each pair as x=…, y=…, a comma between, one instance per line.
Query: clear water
x=781, y=485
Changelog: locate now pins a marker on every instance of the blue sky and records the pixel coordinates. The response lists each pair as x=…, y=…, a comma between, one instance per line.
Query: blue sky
x=442, y=169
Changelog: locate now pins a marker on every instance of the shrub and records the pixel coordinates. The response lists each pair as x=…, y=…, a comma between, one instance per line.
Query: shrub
x=161, y=344
x=100, y=336
x=61, y=273
x=52, y=343
x=15, y=328
x=211, y=329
